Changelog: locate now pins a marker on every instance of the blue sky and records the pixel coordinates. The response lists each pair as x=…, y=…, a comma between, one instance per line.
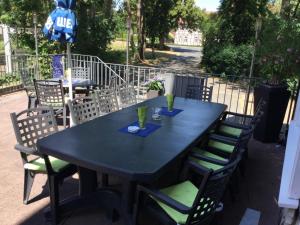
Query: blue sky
x=209, y=5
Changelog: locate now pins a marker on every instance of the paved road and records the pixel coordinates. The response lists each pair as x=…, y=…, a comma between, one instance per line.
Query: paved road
x=187, y=58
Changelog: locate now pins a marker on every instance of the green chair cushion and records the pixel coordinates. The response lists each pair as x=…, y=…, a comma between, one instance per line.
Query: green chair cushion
x=38, y=164
x=206, y=164
x=232, y=131
x=221, y=146
x=185, y=193
x=208, y=154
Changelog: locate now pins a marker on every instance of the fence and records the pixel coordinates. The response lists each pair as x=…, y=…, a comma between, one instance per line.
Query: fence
x=234, y=91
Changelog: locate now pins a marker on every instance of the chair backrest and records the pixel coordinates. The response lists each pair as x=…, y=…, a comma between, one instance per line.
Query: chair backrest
x=49, y=93
x=83, y=109
x=211, y=191
x=200, y=92
x=106, y=100
x=33, y=124
x=81, y=73
x=127, y=96
x=26, y=79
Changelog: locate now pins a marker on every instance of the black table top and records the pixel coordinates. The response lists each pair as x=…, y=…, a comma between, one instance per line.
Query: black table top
x=98, y=145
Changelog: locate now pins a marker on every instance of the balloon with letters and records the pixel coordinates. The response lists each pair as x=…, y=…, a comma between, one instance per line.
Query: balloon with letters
x=62, y=24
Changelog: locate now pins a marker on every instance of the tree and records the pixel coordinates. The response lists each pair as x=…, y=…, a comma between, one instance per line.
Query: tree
x=95, y=31
x=238, y=19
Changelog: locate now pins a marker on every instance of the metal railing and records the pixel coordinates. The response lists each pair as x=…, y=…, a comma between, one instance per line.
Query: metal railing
x=236, y=92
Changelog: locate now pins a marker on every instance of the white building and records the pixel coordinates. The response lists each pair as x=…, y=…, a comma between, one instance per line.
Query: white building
x=187, y=37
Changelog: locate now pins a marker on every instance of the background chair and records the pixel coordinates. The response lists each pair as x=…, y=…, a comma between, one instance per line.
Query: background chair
x=29, y=126
x=83, y=109
x=51, y=94
x=199, y=92
x=127, y=96
x=192, y=201
x=28, y=85
x=106, y=100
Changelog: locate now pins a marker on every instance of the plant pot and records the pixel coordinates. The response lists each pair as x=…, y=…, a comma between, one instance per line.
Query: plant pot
x=152, y=94
x=277, y=98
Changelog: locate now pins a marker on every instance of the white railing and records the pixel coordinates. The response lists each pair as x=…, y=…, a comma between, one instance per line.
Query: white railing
x=236, y=92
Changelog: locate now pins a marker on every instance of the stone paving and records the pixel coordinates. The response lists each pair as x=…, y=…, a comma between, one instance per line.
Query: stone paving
x=258, y=190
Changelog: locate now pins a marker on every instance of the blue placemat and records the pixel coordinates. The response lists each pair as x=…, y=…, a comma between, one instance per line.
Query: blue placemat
x=164, y=111
x=150, y=128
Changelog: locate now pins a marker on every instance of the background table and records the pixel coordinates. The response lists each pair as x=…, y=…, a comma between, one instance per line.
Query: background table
x=98, y=145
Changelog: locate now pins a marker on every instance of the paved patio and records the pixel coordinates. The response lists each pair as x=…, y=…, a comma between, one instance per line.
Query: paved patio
x=258, y=190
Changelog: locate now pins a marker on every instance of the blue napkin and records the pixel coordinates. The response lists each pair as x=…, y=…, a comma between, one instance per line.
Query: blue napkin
x=150, y=128
x=164, y=111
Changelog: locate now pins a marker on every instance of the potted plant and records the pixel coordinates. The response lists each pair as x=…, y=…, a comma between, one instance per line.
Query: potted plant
x=278, y=61
x=155, y=88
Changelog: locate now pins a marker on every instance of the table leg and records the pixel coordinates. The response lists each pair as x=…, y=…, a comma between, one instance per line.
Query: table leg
x=128, y=198
x=87, y=181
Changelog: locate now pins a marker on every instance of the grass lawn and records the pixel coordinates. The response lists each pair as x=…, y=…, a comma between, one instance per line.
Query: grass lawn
x=117, y=54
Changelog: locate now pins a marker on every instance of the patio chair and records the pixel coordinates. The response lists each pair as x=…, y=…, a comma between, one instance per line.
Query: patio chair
x=28, y=85
x=127, y=96
x=106, y=100
x=29, y=126
x=199, y=92
x=83, y=109
x=194, y=200
x=233, y=124
x=50, y=93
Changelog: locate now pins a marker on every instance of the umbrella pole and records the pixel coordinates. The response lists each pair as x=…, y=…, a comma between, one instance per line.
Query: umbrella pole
x=69, y=72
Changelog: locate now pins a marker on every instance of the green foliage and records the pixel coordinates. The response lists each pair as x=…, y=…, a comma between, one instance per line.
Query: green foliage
x=187, y=14
x=228, y=60
x=9, y=78
x=95, y=31
x=237, y=20
x=279, y=49
x=155, y=85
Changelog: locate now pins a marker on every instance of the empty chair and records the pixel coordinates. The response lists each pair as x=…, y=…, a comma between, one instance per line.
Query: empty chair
x=81, y=73
x=51, y=93
x=29, y=126
x=127, y=96
x=200, y=92
x=28, y=85
x=83, y=109
x=233, y=124
x=191, y=201
x=106, y=100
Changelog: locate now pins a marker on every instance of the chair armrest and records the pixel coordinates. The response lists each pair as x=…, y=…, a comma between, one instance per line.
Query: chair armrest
x=27, y=150
x=209, y=159
x=223, y=139
x=165, y=199
x=235, y=114
x=235, y=125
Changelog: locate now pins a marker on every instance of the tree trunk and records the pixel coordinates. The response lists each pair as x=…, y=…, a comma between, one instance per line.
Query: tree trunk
x=285, y=8
x=140, y=30
x=161, y=42
x=130, y=30
x=108, y=8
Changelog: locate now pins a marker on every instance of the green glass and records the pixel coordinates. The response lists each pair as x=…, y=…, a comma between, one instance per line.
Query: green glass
x=142, y=115
x=170, y=101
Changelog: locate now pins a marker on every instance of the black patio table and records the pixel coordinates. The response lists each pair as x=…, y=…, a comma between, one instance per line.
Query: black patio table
x=98, y=145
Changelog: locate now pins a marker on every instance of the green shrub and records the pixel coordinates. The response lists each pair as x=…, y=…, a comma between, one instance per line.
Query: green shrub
x=9, y=78
x=228, y=60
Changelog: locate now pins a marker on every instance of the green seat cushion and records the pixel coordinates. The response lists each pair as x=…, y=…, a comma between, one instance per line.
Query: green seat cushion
x=206, y=164
x=185, y=193
x=38, y=164
x=221, y=146
x=232, y=131
x=209, y=154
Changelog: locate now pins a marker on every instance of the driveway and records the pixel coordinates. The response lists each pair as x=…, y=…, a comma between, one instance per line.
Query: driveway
x=187, y=58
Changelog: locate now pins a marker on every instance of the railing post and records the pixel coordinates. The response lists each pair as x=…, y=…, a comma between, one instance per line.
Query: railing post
x=138, y=89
